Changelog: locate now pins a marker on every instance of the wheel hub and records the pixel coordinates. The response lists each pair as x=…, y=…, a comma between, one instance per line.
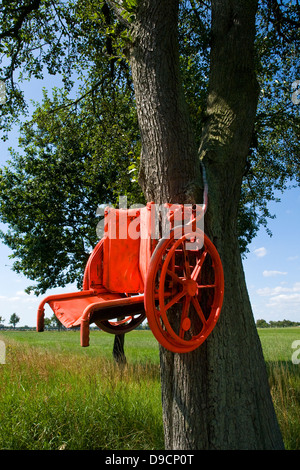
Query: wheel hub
x=191, y=287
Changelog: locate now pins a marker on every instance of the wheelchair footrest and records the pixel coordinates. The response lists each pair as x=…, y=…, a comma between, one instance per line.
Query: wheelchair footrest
x=80, y=308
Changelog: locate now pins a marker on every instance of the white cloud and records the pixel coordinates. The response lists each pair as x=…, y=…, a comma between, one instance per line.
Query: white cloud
x=273, y=273
x=275, y=291
x=285, y=300
x=19, y=296
x=260, y=252
x=21, y=293
x=282, y=299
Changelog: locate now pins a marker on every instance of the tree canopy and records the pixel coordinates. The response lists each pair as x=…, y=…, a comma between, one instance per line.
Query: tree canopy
x=77, y=153
x=50, y=193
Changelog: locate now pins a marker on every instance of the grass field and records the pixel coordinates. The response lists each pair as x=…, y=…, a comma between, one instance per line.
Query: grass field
x=56, y=395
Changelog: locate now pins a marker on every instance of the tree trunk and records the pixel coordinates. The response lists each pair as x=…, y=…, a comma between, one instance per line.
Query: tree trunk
x=216, y=397
x=169, y=170
x=118, y=349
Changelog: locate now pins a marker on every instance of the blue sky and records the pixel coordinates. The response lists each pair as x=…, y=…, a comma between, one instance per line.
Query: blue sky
x=272, y=267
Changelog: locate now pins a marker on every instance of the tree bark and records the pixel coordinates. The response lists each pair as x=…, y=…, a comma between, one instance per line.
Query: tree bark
x=216, y=397
x=169, y=170
x=118, y=349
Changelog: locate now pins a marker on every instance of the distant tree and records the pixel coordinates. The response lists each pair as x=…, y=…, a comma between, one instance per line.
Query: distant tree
x=14, y=319
x=47, y=322
x=277, y=324
x=55, y=323
x=261, y=324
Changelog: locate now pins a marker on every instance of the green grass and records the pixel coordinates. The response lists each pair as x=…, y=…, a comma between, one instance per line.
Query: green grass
x=101, y=344
x=56, y=395
x=284, y=379
x=277, y=343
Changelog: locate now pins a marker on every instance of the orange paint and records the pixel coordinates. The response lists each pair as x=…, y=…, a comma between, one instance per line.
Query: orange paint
x=128, y=274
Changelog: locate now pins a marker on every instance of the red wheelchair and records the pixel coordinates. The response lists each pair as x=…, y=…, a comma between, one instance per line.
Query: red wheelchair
x=176, y=282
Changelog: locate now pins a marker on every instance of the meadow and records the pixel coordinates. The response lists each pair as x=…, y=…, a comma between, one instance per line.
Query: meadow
x=56, y=395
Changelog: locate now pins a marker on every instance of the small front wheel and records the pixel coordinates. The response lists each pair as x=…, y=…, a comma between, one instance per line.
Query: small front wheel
x=119, y=326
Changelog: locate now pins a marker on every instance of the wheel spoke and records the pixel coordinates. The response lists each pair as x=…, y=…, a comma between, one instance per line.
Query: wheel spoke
x=199, y=310
x=186, y=261
x=198, y=266
x=206, y=286
x=174, y=300
x=184, y=315
x=175, y=277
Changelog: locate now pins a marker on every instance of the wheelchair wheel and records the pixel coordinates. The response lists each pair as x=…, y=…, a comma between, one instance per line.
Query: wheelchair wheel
x=184, y=290
x=120, y=326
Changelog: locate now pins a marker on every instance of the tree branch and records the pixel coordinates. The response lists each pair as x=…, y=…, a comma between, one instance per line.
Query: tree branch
x=72, y=103
x=24, y=12
x=279, y=20
x=119, y=11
